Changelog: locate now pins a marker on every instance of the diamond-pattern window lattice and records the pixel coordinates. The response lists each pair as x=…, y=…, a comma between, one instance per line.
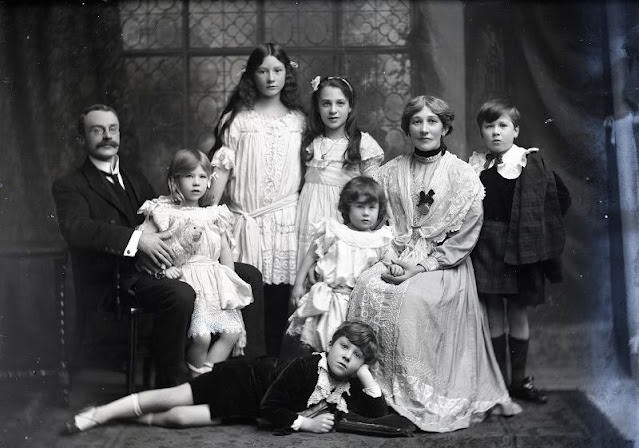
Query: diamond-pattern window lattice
x=151, y=24
x=364, y=40
x=375, y=22
x=222, y=24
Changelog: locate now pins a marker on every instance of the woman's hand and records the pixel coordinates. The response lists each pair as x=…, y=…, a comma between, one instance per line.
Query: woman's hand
x=410, y=270
x=396, y=270
x=319, y=424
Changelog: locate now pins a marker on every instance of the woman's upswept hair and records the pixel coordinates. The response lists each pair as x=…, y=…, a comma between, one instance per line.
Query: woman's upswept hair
x=362, y=188
x=437, y=105
x=246, y=93
x=361, y=335
x=491, y=110
x=184, y=162
x=315, y=125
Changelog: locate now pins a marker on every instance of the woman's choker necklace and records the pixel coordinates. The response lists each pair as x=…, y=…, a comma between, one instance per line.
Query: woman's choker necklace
x=430, y=154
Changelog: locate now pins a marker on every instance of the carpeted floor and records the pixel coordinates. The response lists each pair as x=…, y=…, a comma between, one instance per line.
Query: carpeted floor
x=29, y=418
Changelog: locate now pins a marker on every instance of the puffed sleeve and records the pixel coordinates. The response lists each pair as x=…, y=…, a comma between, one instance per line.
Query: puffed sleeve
x=224, y=157
x=147, y=208
x=372, y=155
x=324, y=235
x=458, y=245
x=155, y=212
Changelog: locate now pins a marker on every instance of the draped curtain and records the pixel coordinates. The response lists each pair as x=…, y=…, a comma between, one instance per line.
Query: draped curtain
x=551, y=58
x=54, y=61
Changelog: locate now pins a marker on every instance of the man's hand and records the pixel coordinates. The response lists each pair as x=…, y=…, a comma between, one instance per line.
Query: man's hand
x=173, y=273
x=319, y=424
x=153, y=245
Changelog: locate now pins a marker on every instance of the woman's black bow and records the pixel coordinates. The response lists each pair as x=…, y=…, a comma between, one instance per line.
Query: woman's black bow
x=425, y=201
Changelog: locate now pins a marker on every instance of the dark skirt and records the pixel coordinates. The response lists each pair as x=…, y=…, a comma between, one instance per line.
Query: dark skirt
x=234, y=388
x=523, y=284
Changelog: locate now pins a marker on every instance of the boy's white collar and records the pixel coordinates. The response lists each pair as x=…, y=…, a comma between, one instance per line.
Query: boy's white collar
x=512, y=163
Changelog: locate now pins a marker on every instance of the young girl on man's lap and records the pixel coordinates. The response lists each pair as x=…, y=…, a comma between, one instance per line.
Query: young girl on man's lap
x=201, y=234
x=521, y=239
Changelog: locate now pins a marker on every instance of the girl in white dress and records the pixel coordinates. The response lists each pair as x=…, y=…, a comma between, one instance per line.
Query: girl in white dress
x=258, y=171
x=342, y=252
x=335, y=151
x=201, y=243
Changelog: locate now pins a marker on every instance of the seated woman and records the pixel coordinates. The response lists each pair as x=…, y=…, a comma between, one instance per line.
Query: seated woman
x=436, y=365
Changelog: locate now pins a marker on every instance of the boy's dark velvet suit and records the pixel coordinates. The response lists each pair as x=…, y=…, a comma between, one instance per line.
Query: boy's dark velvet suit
x=97, y=226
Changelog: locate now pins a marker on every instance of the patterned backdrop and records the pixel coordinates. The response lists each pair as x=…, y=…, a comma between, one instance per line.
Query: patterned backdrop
x=184, y=58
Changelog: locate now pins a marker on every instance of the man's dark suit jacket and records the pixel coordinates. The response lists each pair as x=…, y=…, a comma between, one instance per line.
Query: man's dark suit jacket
x=97, y=228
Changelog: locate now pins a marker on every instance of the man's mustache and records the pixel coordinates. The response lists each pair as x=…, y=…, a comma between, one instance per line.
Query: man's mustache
x=111, y=143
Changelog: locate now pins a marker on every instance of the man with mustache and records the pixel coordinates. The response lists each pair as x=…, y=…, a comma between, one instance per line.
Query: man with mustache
x=97, y=213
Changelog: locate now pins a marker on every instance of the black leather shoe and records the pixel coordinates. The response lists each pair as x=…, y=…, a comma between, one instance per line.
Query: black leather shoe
x=528, y=392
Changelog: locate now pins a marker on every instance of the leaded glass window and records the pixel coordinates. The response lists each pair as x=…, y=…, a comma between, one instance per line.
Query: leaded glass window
x=183, y=58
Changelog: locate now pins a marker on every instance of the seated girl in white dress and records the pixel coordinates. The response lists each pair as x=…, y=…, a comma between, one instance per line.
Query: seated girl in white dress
x=201, y=244
x=342, y=252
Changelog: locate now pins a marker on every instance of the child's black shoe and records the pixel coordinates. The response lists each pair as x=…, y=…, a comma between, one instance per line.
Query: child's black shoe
x=528, y=392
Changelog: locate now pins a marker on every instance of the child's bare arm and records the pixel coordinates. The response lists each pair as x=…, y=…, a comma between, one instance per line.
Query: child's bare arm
x=225, y=252
x=220, y=179
x=298, y=287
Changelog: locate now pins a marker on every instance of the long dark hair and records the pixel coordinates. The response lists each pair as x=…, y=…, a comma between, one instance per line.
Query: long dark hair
x=315, y=126
x=245, y=93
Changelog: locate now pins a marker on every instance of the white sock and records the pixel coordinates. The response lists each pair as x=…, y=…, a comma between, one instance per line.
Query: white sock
x=86, y=419
x=146, y=419
x=137, y=410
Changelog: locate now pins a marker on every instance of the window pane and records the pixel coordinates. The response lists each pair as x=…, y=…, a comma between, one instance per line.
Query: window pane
x=223, y=24
x=212, y=80
x=375, y=22
x=156, y=86
x=382, y=84
x=151, y=24
x=300, y=24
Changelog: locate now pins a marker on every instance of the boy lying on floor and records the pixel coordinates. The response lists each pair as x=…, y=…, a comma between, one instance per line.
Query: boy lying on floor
x=301, y=395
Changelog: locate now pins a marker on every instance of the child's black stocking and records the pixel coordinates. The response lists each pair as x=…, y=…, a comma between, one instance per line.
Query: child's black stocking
x=518, y=358
x=499, y=347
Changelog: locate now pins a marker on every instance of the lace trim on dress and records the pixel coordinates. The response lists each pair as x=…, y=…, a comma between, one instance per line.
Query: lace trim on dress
x=329, y=229
x=327, y=388
x=455, y=185
x=225, y=158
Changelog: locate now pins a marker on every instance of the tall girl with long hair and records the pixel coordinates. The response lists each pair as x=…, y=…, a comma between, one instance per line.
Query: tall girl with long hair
x=335, y=151
x=258, y=171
